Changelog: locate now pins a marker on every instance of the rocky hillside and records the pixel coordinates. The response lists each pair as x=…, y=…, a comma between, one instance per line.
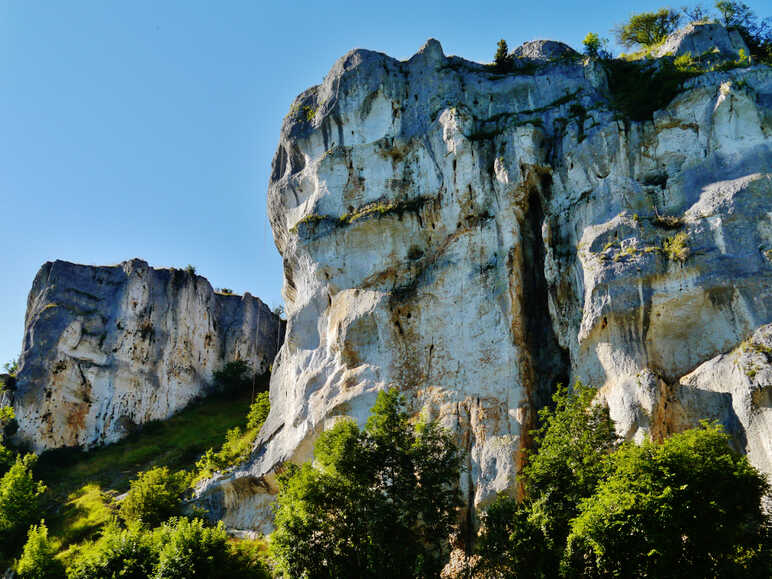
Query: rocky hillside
x=472, y=236
x=109, y=348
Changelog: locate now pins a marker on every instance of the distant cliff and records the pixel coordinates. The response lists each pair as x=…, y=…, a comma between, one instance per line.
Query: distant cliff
x=472, y=236
x=108, y=348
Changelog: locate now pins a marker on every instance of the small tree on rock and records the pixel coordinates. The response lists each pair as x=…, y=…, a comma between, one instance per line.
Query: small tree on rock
x=502, y=60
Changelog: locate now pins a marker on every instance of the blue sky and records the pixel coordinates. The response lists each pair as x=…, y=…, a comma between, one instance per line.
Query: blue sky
x=146, y=128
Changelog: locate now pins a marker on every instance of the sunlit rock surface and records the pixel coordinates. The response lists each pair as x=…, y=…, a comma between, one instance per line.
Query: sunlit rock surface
x=109, y=348
x=472, y=238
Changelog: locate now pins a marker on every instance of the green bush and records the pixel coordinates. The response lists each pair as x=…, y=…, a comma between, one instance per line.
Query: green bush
x=258, y=411
x=234, y=376
x=238, y=443
x=689, y=506
x=127, y=553
x=382, y=501
x=189, y=548
x=154, y=496
x=37, y=560
x=20, y=501
x=640, y=88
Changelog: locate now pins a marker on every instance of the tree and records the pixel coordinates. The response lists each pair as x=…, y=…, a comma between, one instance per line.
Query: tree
x=37, y=560
x=19, y=503
x=502, y=60
x=234, y=376
x=189, y=548
x=154, y=496
x=127, y=553
x=696, y=13
x=378, y=502
x=689, y=505
x=596, y=47
x=591, y=44
x=572, y=444
x=756, y=33
x=7, y=456
x=648, y=28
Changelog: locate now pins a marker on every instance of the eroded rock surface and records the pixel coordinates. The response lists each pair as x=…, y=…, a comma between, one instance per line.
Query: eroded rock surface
x=472, y=237
x=108, y=348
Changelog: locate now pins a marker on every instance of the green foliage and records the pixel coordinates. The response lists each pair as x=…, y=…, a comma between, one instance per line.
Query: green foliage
x=510, y=544
x=676, y=247
x=592, y=508
x=238, y=443
x=381, y=502
x=648, y=28
x=19, y=504
x=189, y=548
x=179, y=548
x=12, y=366
x=37, y=559
x=129, y=553
x=688, y=504
x=573, y=440
x=592, y=45
x=640, y=88
x=258, y=411
x=502, y=61
x=756, y=32
x=191, y=269
x=572, y=444
x=7, y=456
x=154, y=496
x=234, y=376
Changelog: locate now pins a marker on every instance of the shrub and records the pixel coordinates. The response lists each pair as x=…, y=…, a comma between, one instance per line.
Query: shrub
x=382, y=501
x=20, y=498
x=191, y=269
x=189, y=548
x=37, y=560
x=258, y=411
x=154, y=496
x=640, y=88
x=648, y=28
x=689, y=506
x=235, y=375
x=676, y=247
x=128, y=553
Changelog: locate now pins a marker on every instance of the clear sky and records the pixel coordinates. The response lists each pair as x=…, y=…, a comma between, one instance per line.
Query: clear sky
x=146, y=128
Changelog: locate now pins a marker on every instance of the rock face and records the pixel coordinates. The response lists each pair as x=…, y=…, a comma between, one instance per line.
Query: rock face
x=108, y=348
x=709, y=38
x=472, y=238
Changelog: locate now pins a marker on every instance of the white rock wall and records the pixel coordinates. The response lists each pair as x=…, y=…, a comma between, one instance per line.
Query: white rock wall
x=109, y=348
x=472, y=237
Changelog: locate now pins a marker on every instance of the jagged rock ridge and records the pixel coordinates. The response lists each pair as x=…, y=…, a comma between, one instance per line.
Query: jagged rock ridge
x=109, y=348
x=472, y=237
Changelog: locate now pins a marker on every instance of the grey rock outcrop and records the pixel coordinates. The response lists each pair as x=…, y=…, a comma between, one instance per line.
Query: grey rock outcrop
x=709, y=38
x=472, y=238
x=544, y=50
x=109, y=348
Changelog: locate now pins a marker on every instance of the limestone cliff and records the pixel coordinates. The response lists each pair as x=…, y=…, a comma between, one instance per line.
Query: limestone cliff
x=473, y=236
x=108, y=348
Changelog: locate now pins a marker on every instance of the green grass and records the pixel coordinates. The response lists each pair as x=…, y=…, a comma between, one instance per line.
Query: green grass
x=82, y=485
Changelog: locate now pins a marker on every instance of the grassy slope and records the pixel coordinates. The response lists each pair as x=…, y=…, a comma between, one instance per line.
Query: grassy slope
x=82, y=485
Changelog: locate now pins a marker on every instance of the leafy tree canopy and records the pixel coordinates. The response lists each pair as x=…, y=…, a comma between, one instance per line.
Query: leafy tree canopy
x=593, y=508
x=648, y=28
x=379, y=502
x=154, y=496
